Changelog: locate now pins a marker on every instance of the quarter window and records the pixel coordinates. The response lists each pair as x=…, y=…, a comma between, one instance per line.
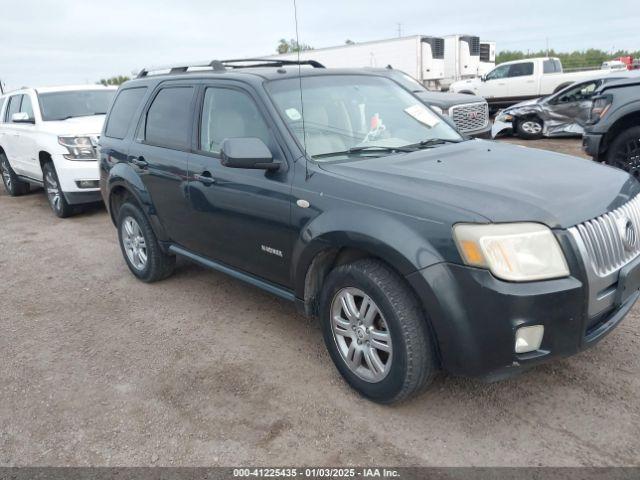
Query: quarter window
x=169, y=118
x=124, y=108
x=228, y=113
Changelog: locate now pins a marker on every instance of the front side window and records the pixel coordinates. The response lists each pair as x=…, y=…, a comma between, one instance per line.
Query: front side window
x=170, y=117
x=498, y=72
x=124, y=108
x=578, y=93
x=13, y=107
x=521, y=69
x=228, y=113
x=26, y=106
x=56, y=106
x=339, y=113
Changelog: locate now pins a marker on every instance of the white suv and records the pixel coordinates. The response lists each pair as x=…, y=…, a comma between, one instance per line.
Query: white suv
x=48, y=137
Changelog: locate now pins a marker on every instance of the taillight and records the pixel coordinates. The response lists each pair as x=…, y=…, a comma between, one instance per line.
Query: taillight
x=599, y=107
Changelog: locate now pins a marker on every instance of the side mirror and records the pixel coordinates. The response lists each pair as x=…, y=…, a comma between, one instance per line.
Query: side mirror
x=483, y=78
x=22, y=117
x=247, y=152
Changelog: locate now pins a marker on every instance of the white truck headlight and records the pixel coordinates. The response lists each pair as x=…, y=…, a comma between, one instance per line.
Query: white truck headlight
x=80, y=148
x=517, y=252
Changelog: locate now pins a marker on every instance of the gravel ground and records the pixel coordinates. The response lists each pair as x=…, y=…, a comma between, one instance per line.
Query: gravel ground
x=100, y=369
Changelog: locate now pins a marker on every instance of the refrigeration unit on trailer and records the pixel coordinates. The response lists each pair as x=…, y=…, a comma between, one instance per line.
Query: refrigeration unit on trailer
x=462, y=57
x=487, y=57
x=420, y=56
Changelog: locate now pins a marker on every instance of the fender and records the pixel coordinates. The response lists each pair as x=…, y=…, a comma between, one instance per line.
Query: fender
x=402, y=244
x=123, y=175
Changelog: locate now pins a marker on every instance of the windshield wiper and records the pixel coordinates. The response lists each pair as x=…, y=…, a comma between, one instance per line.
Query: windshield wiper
x=368, y=148
x=432, y=142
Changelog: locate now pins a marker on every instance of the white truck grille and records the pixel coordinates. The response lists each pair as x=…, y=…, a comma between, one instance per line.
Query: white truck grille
x=469, y=117
x=611, y=240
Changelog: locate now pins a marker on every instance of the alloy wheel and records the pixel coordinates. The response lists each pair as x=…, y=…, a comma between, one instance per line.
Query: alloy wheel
x=361, y=334
x=53, y=190
x=628, y=157
x=531, y=127
x=134, y=243
x=6, y=176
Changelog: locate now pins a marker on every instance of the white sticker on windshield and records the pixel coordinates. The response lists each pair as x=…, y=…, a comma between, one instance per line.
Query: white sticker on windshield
x=423, y=115
x=293, y=114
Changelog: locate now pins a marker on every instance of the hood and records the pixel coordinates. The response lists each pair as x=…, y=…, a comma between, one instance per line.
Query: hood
x=447, y=100
x=500, y=182
x=91, y=125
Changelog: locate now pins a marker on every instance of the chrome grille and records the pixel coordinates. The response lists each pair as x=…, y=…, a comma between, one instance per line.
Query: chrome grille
x=610, y=241
x=470, y=116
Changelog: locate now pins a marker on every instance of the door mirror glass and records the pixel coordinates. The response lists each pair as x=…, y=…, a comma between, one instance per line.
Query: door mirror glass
x=22, y=117
x=247, y=152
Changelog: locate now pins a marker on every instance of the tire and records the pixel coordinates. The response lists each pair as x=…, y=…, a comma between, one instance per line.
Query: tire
x=54, y=193
x=530, y=128
x=396, y=332
x=624, y=151
x=140, y=247
x=12, y=184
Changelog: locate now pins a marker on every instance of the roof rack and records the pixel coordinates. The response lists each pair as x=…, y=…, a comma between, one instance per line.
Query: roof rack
x=222, y=65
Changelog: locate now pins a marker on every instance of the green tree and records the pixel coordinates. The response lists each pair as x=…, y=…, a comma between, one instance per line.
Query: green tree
x=291, y=46
x=349, y=42
x=119, y=80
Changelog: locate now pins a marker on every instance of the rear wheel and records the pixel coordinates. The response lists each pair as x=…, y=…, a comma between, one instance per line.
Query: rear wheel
x=12, y=184
x=57, y=202
x=624, y=151
x=375, y=332
x=530, y=128
x=140, y=246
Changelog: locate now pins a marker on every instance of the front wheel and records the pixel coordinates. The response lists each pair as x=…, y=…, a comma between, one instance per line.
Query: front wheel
x=375, y=332
x=624, y=151
x=530, y=128
x=55, y=197
x=140, y=247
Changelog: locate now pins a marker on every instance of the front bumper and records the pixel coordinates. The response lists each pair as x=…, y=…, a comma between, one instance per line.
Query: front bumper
x=501, y=128
x=72, y=171
x=484, y=132
x=475, y=316
x=591, y=144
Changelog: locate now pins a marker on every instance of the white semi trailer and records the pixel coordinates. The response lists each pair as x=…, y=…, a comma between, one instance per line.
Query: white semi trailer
x=422, y=57
x=487, y=57
x=462, y=58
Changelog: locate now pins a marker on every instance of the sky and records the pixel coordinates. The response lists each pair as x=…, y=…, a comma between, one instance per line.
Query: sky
x=56, y=42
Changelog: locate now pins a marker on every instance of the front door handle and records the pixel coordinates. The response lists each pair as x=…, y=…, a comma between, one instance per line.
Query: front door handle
x=205, y=178
x=140, y=162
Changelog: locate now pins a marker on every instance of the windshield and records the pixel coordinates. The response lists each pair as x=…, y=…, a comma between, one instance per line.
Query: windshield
x=80, y=103
x=367, y=114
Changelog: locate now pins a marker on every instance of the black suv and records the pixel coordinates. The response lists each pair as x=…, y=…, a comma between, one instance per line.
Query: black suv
x=613, y=134
x=340, y=191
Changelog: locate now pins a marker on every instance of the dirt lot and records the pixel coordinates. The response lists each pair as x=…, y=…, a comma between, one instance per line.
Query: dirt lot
x=100, y=369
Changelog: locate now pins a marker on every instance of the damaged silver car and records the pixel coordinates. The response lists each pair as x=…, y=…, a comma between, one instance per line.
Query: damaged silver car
x=562, y=114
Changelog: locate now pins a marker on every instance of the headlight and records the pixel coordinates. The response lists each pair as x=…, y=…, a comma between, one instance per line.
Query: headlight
x=80, y=148
x=599, y=107
x=437, y=110
x=518, y=252
x=504, y=117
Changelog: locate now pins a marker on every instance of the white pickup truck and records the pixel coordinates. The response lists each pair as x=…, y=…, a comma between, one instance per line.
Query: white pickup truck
x=48, y=138
x=513, y=82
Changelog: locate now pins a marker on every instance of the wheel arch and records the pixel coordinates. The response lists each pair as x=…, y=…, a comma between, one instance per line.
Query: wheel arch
x=631, y=119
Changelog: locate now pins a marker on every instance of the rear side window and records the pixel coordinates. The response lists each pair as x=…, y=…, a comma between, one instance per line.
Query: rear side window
x=521, y=69
x=169, y=118
x=13, y=107
x=124, y=107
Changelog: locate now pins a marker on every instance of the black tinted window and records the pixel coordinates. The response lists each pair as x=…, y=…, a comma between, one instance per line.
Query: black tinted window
x=521, y=69
x=229, y=114
x=124, y=107
x=169, y=118
x=14, y=106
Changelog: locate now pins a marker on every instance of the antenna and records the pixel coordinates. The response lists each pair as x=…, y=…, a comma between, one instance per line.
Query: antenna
x=304, y=131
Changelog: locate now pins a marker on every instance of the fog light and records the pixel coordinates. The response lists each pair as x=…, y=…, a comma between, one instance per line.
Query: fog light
x=529, y=339
x=87, y=183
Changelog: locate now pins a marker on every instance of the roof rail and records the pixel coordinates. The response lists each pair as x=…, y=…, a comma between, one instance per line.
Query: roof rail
x=222, y=65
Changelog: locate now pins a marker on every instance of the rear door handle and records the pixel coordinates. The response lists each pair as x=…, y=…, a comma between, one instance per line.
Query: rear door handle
x=205, y=178
x=140, y=162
